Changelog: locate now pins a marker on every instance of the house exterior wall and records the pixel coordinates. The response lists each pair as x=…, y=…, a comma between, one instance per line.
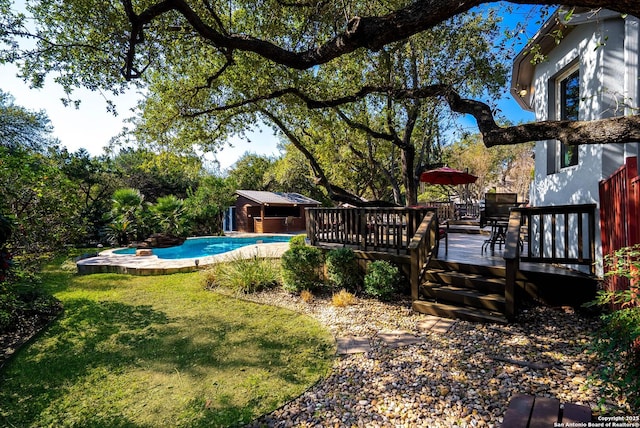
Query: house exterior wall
x=606, y=55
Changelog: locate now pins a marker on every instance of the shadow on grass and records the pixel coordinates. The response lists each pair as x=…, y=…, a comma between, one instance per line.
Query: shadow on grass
x=57, y=380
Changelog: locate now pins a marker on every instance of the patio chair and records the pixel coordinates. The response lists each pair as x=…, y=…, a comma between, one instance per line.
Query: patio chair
x=497, y=207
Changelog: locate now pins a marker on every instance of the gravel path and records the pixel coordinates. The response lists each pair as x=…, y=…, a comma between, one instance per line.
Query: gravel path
x=461, y=378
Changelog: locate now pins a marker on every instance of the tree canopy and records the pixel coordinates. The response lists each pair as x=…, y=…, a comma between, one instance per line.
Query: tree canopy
x=230, y=63
x=94, y=44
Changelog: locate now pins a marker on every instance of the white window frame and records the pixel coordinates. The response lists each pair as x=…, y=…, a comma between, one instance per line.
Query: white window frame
x=562, y=76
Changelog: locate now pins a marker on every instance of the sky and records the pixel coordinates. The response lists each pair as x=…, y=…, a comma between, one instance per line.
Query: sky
x=91, y=126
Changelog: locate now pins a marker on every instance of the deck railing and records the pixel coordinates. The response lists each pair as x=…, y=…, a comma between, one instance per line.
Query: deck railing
x=557, y=234
x=563, y=234
x=387, y=230
x=421, y=248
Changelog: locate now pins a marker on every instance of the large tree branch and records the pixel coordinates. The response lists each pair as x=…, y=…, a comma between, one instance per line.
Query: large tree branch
x=336, y=193
x=624, y=129
x=372, y=32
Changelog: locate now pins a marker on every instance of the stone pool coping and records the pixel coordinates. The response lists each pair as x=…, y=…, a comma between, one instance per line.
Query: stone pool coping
x=108, y=262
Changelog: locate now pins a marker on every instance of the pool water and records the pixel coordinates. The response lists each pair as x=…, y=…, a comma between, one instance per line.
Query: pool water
x=210, y=246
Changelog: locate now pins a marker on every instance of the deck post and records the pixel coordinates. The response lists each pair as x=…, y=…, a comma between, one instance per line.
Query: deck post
x=512, y=262
x=415, y=275
x=362, y=218
x=310, y=226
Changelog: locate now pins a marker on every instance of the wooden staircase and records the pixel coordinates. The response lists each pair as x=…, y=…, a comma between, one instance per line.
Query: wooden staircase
x=463, y=291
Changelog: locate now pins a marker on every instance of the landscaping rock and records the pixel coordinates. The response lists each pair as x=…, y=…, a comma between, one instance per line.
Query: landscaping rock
x=161, y=240
x=451, y=377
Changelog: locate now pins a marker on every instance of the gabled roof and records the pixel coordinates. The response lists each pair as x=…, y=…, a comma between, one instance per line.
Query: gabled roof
x=277, y=198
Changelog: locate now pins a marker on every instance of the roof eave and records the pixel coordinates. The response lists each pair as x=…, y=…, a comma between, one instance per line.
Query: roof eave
x=523, y=69
x=523, y=66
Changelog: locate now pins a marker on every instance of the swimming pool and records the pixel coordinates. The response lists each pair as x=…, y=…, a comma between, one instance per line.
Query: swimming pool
x=209, y=246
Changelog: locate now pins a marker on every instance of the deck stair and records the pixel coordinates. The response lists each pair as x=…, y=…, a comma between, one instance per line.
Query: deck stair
x=463, y=291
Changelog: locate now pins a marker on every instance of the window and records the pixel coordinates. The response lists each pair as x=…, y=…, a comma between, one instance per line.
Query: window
x=569, y=105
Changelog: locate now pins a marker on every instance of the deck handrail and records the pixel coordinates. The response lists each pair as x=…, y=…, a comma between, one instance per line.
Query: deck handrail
x=387, y=229
x=547, y=241
x=421, y=248
x=548, y=237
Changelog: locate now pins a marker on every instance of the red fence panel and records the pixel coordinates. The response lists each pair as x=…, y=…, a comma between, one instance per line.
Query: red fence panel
x=619, y=210
x=634, y=212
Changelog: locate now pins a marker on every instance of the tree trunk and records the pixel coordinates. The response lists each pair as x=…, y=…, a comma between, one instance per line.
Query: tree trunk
x=408, y=160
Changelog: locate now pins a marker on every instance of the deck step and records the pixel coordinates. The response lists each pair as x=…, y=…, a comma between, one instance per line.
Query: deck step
x=483, y=283
x=458, y=312
x=464, y=297
x=469, y=229
x=484, y=270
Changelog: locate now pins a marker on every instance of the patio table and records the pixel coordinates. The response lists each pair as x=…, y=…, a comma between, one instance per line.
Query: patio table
x=498, y=232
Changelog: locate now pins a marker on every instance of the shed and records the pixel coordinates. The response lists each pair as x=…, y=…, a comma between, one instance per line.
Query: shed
x=271, y=212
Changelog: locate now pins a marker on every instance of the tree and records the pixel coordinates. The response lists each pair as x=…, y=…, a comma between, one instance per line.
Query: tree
x=510, y=168
x=292, y=173
x=93, y=42
x=21, y=128
x=94, y=180
x=206, y=205
x=250, y=172
x=168, y=212
x=35, y=190
x=158, y=174
x=128, y=215
x=366, y=148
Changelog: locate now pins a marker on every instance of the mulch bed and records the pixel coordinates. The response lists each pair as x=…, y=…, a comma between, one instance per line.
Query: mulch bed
x=26, y=326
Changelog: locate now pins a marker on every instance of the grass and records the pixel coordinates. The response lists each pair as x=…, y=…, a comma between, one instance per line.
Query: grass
x=159, y=351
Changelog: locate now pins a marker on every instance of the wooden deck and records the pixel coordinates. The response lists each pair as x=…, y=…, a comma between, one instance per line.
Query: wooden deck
x=545, y=283
x=457, y=275
x=467, y=248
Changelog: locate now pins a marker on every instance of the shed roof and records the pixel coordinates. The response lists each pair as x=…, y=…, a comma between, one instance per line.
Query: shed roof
x=277, y=198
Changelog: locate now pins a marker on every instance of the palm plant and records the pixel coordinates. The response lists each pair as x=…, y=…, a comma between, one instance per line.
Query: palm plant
x=126, y=215
x=168, y=214
x=120, y=231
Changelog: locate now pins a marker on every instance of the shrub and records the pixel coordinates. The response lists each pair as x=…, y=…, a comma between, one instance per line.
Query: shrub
x=297, y=241
x=243, y=275
x=306, y=296
x=301, y=268
x=342, y=269
x=381, y=279
x=343, y=298
x=617, y=343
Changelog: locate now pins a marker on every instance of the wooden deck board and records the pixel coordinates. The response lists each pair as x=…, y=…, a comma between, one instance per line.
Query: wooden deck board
x=573, y=413
x=529, y=411
x=519, y=411
x=467, y=248
x=545, y=412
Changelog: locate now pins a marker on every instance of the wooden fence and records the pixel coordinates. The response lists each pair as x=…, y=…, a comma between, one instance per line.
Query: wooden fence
x=619, y=211
x=618, y=208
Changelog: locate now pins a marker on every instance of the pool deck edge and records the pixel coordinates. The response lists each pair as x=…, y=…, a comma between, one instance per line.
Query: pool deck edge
x=108, y=262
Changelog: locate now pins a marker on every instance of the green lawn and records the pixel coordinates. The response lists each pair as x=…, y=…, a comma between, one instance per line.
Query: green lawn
x=159, y=351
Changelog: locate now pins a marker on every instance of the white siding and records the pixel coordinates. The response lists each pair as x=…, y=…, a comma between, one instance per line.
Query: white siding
x=607, y=54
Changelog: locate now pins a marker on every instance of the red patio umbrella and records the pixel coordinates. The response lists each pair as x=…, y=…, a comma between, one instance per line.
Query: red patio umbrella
x=446, y=175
